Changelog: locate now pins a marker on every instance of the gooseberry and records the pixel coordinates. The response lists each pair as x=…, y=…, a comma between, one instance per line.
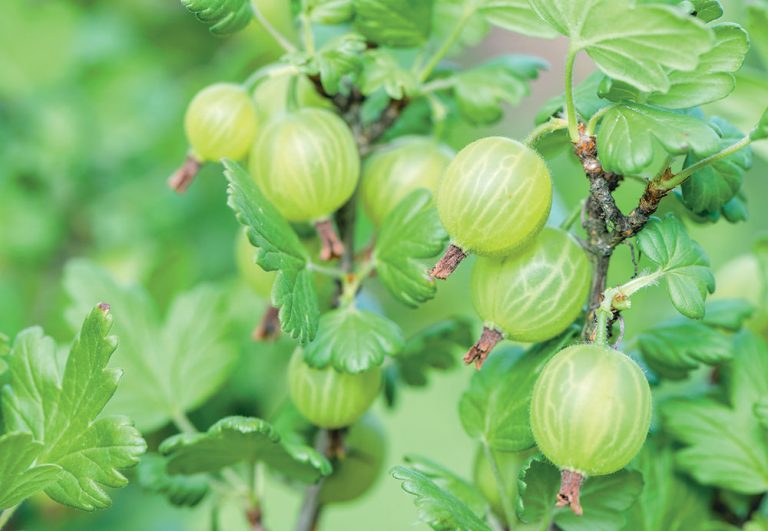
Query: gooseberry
x=494, y=197
x=328, y=398
x=364, y=451
x=590, y=414
x=532, y=295
x=394, y=171
x=271, y=96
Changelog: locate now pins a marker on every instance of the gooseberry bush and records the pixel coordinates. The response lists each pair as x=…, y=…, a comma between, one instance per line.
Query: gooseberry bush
x=342, y=167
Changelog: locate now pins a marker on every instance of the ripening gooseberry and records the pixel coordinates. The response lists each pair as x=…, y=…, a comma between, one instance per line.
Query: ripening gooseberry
x=365, y=447
x=590, y=414
x=532, y=295
x=328, y=398
x=494, y=197
x=220, y=122
x=399, y=168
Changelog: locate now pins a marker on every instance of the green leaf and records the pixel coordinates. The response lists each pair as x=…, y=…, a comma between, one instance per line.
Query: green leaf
x=182, y=491
x=630, y=43
x=586, y=99
x=450, y=481
x=382, y=71
x=330, y=11
x=710, y=188
x=353, y=340
x=761, y=129
x=434, y=347
x=234, y=440
x=517, y=16
x=605, y=499
x=761, y=411
x=495, y=408
x=713, y=78
x=481, y=91
x=437, y=507
x=675, y=347
x=62, y=411
x=685, y=265
x=395, y=23
x=20, y=477
x=630, y=134
x=169, y=368
x=411, y=233
x=725, y=445
x=448, y=14
x=707, y=10
x=223, y=16
x=756, y=22
x=340, y=58
x=668, y=501
x=278, y=248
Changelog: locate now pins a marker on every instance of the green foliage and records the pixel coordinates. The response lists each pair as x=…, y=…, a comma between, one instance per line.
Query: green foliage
x=675, y=347
x=725, y=444
x=711, y=188
x=629, y=43
x=353, y=340
x=515, y=15
x=411, y=233
x=183, y=491
x=242, y=439
x=395, y=23
x=223, y=16
x=339, y=59
x=604, y=498
x=761, y=130
x=20, y=477
x=495, y=408
x=329, y=11
x=438, y=507
x=77, y=453
x=167, y=365
x=631, y=134
x=449, y=481
x=278, y=248
x=382, y=71
x=682, y=261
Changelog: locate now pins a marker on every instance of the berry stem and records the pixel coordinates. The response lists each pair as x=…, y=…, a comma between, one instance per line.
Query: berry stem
x=483, y=347
x=506, y=501
x=570, y=104
x=281, y=39
x=448, y=263
x=183, y=177
x=332, y=247
x=570, y=489
x=269, y=326
x=450, y=40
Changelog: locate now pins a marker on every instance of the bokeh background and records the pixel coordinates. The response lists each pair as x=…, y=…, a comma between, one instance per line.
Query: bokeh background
x=92, y=95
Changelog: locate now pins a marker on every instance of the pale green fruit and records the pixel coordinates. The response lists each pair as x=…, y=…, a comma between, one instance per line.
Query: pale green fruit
x=306, y=163
x=221, y=122
x=258, y=280
x=366, y=446
x=591, y=409
x=398, y=169
x=271, y=96
x=495, y=196
x=537, y=293
x=328, y=398
x=740, y=278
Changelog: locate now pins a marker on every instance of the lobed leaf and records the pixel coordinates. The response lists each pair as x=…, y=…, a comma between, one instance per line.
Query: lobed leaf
x=631, y=133
x=278, y=248
x=61, y=411
x=20, y=476
x=382, y=71
x=495, y=408
x=340, y=58
x=182, y=491
x=234, y=440
x=223, y=16
x=685, y=266
x=169, y=367
x=605, y=499
x=631, y=43
x=517, y=16
x=353, y=340
x=437, y=507
x=450, y=481
x=410, y=234
x=761, y=129
x=395, y=23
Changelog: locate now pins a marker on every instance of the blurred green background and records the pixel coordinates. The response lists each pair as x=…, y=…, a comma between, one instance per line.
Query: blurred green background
x=92, y=95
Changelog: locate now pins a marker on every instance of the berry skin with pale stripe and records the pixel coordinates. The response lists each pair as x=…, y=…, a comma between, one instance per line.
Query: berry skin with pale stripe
x=328, y=398
x=590, y=410
x=533, y=295
x=399, y=168
x=221, y=122
x=494, y=196
x=306, y=163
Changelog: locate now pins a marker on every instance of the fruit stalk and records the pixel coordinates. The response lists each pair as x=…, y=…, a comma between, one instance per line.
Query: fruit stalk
x=448, y=263
x=570, y=489
x=183, y=177
x=483, y=347
x=332, y=246
x=269, y=326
